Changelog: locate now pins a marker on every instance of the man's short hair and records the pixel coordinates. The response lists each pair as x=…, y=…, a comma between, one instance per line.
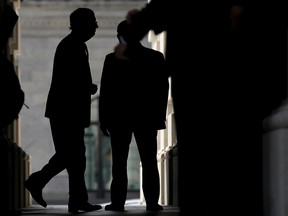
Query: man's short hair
x=81, y=16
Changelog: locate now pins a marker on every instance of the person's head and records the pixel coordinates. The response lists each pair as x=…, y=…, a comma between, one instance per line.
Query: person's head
x=83, y=23
x=8, y=19
x=122, y=31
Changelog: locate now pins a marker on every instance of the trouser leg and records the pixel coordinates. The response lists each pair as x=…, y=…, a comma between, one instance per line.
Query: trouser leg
x=70, y=154
x=120, y=141
x=147, y=146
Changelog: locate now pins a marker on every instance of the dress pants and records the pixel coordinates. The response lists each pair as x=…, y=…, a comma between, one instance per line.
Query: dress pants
x=68, y=138
x=146, y=140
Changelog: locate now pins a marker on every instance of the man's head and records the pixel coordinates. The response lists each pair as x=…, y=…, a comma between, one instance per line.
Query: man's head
x=8, y=19
x=122, y=28
x=123, y=31
x=83, y=21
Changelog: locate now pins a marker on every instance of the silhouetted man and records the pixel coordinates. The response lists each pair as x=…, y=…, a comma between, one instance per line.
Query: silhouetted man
x=133, y=101
x=11, y=95
x=68, y=109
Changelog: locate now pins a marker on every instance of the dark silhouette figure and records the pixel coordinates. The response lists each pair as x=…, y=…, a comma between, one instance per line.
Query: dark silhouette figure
x=226, y=77
x=11, y=94
x=68, y=109
x=133, y=100
x=11, y=101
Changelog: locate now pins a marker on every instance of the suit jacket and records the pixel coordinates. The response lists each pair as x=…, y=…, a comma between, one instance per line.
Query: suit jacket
x=134, y=93
x=69, y=97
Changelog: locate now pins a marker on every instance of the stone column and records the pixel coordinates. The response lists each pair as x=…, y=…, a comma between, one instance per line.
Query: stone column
x=275, y=163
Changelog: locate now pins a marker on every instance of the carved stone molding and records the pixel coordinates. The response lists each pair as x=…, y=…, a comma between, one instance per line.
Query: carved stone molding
x=54, y=18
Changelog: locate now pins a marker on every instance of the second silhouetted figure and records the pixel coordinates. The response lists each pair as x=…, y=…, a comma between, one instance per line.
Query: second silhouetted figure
x=133, y=101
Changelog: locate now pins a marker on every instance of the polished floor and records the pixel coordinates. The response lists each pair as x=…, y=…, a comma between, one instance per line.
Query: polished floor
x=133, y=207
x=132, y=210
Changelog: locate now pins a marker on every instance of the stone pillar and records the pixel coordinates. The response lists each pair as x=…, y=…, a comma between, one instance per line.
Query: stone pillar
x=275, y=163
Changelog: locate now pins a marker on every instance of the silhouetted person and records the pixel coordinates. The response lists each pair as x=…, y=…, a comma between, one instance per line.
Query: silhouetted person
x=11, y=94
x=225, y=79
x=226, y=83
x=68, y=109
x=186, y=68
x=133, y=101
x=11, y=101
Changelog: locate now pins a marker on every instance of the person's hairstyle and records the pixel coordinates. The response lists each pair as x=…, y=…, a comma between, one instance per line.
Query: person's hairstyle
x=8, y=20
x=122, y=28
x=124, y=31
x=80, y=17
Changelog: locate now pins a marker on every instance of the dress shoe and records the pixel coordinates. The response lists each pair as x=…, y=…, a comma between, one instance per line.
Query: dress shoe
x=85, y=207
x=154, y=208
x=36, y=192
x=112, y=207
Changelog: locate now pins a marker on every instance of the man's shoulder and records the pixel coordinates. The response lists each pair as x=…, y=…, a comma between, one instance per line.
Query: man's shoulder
x=69, y=41
x=111, y=57
x=66, y=39
x=154, y=52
